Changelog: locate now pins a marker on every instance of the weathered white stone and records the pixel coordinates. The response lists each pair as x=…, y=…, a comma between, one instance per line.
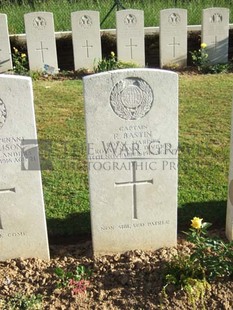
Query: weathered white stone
x=229, y=215
x=5, y=51
x=23, y=230
x=132, y=138
x=173, y=37
x=215, y=33
x=86, y=39
x=41, y=44
x=130, y=36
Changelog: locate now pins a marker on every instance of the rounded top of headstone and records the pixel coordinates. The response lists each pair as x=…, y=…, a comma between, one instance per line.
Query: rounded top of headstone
x=131, y=98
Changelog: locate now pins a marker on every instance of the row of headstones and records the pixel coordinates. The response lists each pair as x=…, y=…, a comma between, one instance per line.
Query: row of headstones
x=41, y=44
x=132, y=136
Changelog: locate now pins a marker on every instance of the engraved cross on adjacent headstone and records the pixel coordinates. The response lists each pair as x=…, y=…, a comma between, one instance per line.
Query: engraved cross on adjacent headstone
x=131, y=45
x=215, y=42
x=134, y=184
x=41, y=49
x=87, y=47
x=5, y=191
x=174, y=44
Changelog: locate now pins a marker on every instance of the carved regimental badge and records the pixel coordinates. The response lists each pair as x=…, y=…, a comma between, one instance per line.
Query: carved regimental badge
x=85, y=21
x=216, y=18
x=130, y=20
x=39, y=23
x=174, y=19
x=3, y=113
x=131, y=98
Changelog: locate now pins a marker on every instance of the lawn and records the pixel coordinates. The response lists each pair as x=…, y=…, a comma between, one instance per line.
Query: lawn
x=204, y=145
x=63, y=8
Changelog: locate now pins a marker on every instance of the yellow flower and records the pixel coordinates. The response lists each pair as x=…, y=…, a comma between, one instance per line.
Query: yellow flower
x=15, y=49
x=112, y=54
x=23, y=55
x=196, y=222
x=203, y=45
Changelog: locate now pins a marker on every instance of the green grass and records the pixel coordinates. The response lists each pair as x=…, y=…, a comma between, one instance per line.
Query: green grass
x=62, y=9
x=204, y=138
x=205, y=110
x=60, y=119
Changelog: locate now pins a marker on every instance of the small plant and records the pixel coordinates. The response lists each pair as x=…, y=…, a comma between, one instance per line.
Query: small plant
x=23, y=302
x=106, y=64
x=200, y=58
x=78, y=287
x=112, y=64
x=219, y=68
x=77, y=281
x=201, y=61
x=20, y=62
x=210, y=259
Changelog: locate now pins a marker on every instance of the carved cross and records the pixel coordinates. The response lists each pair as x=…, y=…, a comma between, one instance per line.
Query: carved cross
x=6, y=191
x=131, y=45
x=134, y=184
x=41, y=49
x=87, y=47
x=174, y=44
x=215, y=42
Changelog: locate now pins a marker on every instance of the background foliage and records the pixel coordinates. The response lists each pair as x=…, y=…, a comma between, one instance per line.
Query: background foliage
x=15, y=10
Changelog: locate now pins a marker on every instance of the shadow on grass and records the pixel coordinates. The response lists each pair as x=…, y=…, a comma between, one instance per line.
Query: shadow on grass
x=211, y=211
x=75, y=227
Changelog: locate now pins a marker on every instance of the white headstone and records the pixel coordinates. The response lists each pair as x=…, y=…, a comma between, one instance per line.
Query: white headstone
x=229, y=215
x=86, y=39
x=41, y=44
x=130, y=36
x=23, y=230
x=173, y=37
x=215, y=33
x=5, y=51
x=132, y=138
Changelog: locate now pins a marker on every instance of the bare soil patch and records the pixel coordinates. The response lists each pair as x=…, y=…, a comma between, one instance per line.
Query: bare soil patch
x=132, y=280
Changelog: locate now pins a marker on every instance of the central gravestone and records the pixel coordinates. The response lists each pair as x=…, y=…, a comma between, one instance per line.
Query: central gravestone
x=86, y=39
x=130, y=36
x=173, y=37
x=23, y=230
x=132, y=138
